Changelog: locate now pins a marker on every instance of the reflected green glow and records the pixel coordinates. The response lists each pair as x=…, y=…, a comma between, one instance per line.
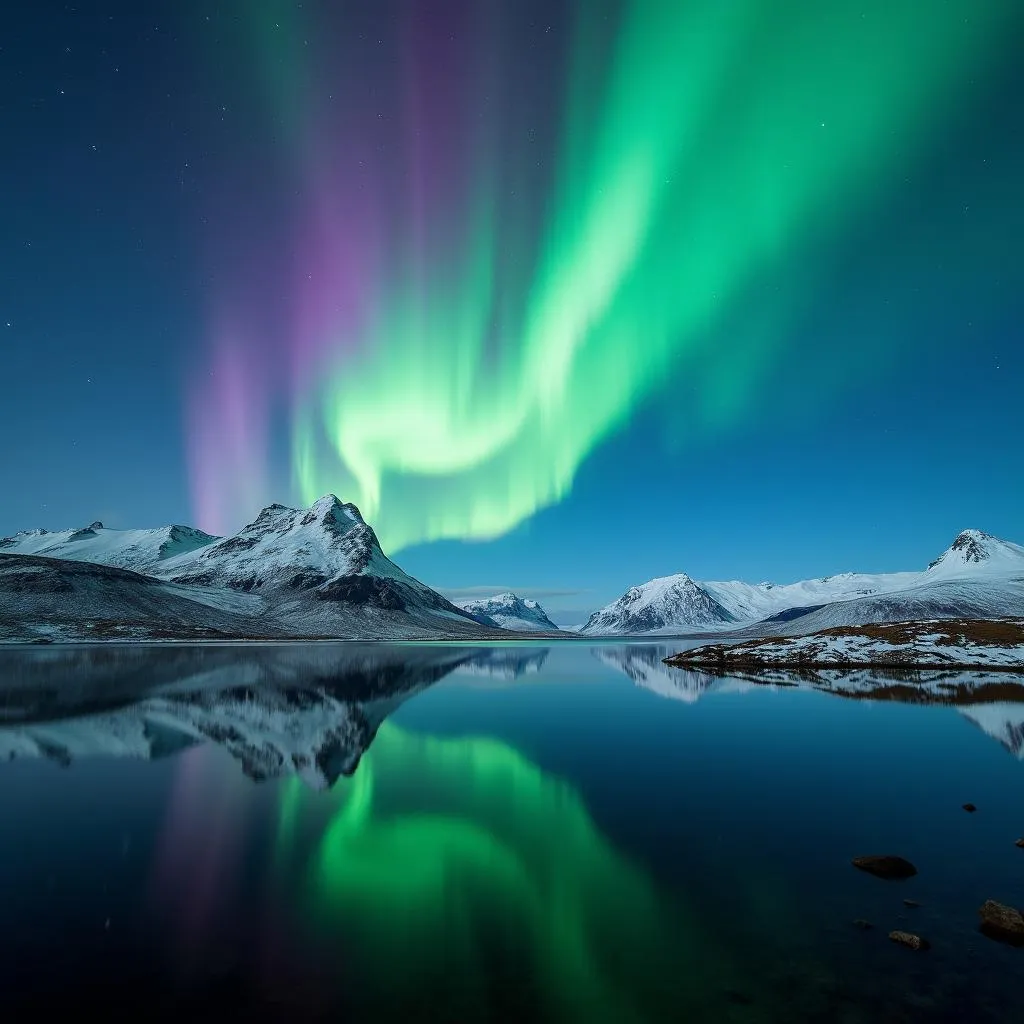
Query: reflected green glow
x=288, y=815
x=721, y=137
x=440, y=851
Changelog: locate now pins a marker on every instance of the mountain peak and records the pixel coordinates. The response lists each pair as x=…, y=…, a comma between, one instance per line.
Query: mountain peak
x=974, y=544
x=328, y=503
x=509, y=611
x=977, y=548
x=331, y=504
x=665, y=603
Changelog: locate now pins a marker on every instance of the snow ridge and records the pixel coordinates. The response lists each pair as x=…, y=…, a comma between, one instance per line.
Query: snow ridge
x=138, y=550
x=509, y=611
x=979, y=576
x=665, y=603
x=315, y=572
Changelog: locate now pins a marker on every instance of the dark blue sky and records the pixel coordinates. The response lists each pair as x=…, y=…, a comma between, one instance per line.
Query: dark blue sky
x=891, y=418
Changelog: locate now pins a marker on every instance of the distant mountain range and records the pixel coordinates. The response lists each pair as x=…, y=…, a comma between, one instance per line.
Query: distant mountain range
x=978, y=576
x=509, y=612
x=320, y=572
x=316, y=572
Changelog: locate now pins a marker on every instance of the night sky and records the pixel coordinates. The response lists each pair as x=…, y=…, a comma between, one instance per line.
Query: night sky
x=564, y=295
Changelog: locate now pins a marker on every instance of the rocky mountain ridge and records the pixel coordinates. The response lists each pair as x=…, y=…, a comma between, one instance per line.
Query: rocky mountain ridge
x=291, y=572
x=978, y=576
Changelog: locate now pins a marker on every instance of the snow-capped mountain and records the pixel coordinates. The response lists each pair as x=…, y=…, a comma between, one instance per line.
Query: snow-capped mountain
x=138, y=550
x=978, y=576
x=306, y=572
x=509, y=612
x=748, y=602
x=668, y=603
x=287, y=547
x=975, y=552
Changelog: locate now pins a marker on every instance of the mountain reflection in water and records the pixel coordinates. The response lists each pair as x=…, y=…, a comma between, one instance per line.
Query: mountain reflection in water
x=310, y=709
x=505, y=832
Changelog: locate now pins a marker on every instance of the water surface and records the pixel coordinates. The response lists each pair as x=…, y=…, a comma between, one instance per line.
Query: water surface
x=438, y=832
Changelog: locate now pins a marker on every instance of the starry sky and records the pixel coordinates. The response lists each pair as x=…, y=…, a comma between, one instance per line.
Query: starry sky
x=564, y=295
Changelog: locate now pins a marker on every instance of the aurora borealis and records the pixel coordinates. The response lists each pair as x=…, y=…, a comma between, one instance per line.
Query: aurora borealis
x=490, y=269
x=467, y=336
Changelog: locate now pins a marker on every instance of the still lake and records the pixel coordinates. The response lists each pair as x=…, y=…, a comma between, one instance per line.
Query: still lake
x=367, y=832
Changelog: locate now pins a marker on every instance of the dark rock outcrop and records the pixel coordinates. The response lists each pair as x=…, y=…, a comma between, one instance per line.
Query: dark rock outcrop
x=909, y=940
x=1002, y=923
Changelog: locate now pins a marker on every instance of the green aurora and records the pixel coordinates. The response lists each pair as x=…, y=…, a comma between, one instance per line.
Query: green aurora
x=435, y=843
x=701, y=151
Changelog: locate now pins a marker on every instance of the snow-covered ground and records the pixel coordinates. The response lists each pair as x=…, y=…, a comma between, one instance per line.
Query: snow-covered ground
x=977, y=576
x=291, y=572
x=138, y=550
x=321, y=572
x=932, y=644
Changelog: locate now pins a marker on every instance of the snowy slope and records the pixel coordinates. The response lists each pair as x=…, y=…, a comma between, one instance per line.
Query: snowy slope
x=294, y=548
x=747, y=601
x=939, y=643
x=510, y=612
x=55, y=599
x=320, y=571
x=304, y=572
x=671, y=602
x=138, y=550
x=978, y=576
x=978, y=598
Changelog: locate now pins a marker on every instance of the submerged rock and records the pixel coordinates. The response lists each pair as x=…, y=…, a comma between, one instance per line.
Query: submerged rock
x=970, y=808
x=862, y=924
x=909, y=940
x=911, y=903
x=1020, y=843
x=885, y=866
x=1002, y=923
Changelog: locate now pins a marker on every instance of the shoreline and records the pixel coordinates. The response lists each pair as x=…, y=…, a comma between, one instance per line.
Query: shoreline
x=983, y=645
